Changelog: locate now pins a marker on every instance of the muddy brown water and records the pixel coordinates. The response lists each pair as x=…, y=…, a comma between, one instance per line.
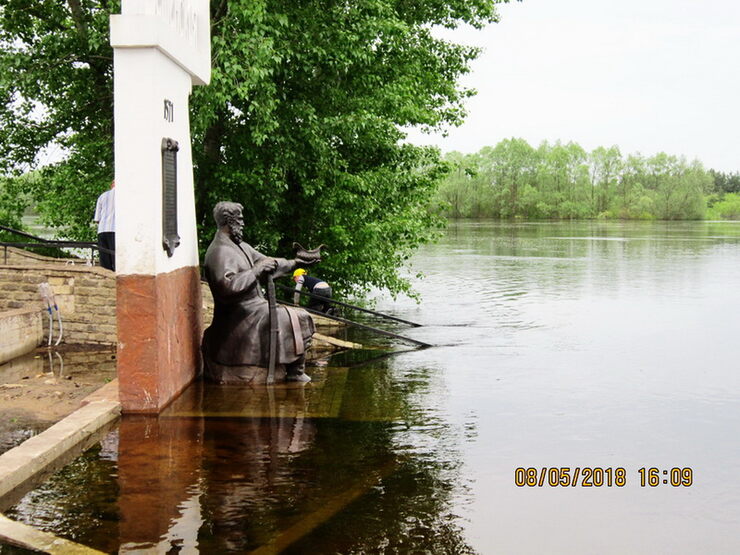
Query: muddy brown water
x=592, y=345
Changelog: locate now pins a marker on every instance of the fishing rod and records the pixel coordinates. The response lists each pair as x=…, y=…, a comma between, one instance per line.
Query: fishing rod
x=340, y=303
x=421, y=344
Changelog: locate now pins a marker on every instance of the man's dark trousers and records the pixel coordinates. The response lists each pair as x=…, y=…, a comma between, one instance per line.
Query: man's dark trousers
x=107, y=240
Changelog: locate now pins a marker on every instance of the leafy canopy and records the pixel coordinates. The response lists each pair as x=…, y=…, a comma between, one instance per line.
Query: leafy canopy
x=302, y=123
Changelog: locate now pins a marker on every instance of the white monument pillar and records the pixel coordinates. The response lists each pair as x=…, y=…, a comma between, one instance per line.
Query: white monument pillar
x=161, y=48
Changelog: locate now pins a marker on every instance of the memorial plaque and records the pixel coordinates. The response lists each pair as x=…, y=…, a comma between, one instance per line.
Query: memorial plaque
x=170, y=237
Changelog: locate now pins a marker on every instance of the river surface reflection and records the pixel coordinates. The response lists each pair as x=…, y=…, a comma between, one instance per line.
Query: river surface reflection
x=588, y=345
x=558, y=345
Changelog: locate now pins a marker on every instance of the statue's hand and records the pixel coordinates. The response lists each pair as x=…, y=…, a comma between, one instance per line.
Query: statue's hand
x=265, y=266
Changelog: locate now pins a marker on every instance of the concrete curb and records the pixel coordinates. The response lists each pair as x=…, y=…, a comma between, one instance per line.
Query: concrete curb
x=40, y=452
x=17, y=533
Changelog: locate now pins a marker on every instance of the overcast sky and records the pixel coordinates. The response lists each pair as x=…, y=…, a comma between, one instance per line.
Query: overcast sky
x=645, y=75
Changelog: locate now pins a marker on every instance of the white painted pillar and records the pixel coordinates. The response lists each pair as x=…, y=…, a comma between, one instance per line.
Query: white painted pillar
x=161, y=49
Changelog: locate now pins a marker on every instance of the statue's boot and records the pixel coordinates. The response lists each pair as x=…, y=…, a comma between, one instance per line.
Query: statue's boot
x=296, y=371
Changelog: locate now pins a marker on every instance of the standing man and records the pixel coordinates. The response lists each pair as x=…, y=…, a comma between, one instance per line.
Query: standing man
x=105, y=217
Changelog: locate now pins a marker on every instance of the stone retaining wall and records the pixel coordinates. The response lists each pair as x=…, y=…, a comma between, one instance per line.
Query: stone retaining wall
x=86, y=296
x=20, y=332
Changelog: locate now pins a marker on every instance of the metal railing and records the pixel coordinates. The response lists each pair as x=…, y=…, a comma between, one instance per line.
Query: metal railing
x=40, y=242
x=419, y=344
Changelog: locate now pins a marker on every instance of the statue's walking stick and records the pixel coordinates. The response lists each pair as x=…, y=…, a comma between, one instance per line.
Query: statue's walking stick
x=304, y=256
x=272, y=304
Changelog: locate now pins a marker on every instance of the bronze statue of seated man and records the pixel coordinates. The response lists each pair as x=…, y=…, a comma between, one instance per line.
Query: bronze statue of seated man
x=237, y=343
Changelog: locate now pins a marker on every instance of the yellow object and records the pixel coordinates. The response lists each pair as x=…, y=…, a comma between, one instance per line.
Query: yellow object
x=299, y=272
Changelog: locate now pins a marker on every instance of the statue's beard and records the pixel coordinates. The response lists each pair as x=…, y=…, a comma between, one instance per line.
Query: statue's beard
x=235, y=232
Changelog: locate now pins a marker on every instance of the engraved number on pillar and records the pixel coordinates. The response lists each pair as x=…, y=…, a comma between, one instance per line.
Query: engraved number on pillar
x=170, y=238
x=169, y=111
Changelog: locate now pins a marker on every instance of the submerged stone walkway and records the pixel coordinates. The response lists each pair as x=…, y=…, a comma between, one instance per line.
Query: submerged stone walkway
x=40, y=453
x=27, y=537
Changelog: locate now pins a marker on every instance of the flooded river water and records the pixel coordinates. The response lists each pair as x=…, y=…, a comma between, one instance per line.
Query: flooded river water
x=605, y=348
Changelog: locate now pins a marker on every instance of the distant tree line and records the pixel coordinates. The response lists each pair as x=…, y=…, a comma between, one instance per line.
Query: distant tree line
x=726, y=182
x=563, y=181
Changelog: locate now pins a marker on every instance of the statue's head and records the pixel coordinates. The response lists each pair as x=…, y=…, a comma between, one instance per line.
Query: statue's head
x=230, y=214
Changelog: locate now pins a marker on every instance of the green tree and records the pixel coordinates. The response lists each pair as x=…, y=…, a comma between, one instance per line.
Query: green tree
x=303, y=121
x=679, y=187
x=632, y=200
x=56, y=93
x=563, y=180
x=606, y=166
x=12, y=204
x=459, y=186
x=514, y=164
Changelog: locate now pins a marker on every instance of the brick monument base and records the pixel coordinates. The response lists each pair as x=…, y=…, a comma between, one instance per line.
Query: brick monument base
x=159, y=330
